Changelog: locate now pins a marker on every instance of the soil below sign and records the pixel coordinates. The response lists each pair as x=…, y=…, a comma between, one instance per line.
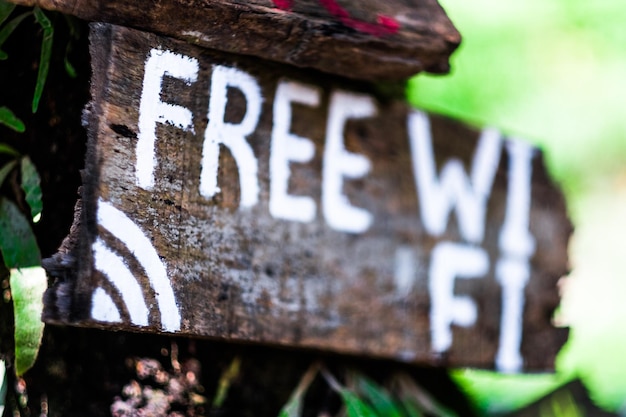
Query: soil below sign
x=233, y=198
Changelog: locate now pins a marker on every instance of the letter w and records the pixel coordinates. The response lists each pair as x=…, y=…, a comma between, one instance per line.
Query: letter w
x=453, y=189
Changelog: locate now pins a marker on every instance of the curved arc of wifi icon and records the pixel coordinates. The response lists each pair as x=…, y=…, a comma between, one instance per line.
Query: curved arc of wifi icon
x=116, y=271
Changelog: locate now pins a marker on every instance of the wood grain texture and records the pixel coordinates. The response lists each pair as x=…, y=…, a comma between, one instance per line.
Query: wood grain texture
x=249, y=274
x=372, y=39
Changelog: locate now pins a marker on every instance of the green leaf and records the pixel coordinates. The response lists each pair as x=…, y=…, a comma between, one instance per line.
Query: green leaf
x=31, y=184
x=27, y=288
x=46, y=52
x=356, y=407
x=74, y=35
x=9, y=119
x=411, y=409
x=6, y=9
x=17, y=242
x=3, y=55
x=378, y=397
x=6, y=31
x=69, y=68
x=6, y=170
x=226, y=379
x=8, y=150
x=293, y=408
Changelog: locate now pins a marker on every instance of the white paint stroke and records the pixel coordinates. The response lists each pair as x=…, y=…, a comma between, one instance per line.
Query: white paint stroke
x=405, y=271
x=338, y=163
x=517, y=245
x=140, y=246
x=233, y=136
x=512, y=274
x=450, y=261
x=103, y=308
x=453, y=189
x=287, y=147
x=515, y=236
x=152, y=110
x=117, y=273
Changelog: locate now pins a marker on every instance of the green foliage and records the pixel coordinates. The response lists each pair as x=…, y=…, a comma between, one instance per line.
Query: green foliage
x=225, y=382
x=9, y=119
x=380, y=399
x=6, y=170
x=27, y=288
x=293, y=408
x=362, y=397
x=46, y=52
x=18, y=245
x=17, y=242
x=32, y=188
x=562, y=405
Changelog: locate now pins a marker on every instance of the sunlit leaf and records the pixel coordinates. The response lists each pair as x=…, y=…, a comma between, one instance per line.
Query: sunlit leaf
x=46, y=52
x=31, y=184
x=6, y=31
x=17, y=242
x=6, y=170
x=9, y=119
x=27, y=288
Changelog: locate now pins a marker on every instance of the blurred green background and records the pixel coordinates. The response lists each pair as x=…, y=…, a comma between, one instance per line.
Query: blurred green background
x=553, y=72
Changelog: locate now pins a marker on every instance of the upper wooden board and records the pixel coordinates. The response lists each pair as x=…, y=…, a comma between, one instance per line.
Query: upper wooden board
x=231, y=198
x=365, y=39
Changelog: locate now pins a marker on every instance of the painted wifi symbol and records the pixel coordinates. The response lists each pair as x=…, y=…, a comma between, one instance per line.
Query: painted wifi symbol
x=115, y=269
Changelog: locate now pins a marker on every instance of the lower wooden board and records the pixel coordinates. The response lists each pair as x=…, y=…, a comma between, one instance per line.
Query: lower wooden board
x=233, y=198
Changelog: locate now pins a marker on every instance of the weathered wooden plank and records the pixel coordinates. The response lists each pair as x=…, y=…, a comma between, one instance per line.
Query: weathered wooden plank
x=366, y=39
x=234, y=198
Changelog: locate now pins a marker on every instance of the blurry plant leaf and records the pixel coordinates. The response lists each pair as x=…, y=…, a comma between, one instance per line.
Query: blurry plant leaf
x=74, y=35
x=411, y=409
x=355, y=407
x=377, y=396
x=225, y=382
x=6, y=170
x=6, y=31
x=6, y=9
x=27, y=288
x=31, y=184
x=293, y=408
x=69, y=68
x=17, y=242
x=9, y=119
x=3, y=55
x=46, y=52
x=414, y=397
x=8, y=150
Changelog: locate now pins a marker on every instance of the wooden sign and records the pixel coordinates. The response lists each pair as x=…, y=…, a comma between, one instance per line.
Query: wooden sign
x=233, y=198
x=366, y=39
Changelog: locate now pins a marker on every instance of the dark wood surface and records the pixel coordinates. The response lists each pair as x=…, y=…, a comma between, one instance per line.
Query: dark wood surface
x=364, y=272
x=366, y=39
